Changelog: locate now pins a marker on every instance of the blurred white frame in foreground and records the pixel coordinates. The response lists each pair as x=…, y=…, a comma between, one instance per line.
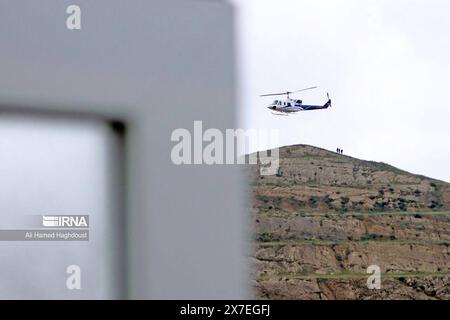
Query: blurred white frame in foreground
x=155, y=66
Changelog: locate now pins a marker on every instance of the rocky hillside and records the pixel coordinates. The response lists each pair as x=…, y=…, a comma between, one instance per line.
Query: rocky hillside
x=324, y=218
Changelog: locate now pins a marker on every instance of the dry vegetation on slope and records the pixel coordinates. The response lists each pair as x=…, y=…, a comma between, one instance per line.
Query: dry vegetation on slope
x=324, y=218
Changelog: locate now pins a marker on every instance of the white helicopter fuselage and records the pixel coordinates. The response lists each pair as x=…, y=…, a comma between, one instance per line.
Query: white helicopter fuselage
x=284, y=107
x=289, y=105
x=294, y=105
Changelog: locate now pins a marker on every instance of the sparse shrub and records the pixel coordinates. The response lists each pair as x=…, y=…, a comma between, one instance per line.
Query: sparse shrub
x=344, y=200
x=371, y=236
x=434, y=204
x=402, y=204
x=382, y=206
x=279, y=172
x=265, y=237
x=313, y=200
x=328, y=200
x=343, y=210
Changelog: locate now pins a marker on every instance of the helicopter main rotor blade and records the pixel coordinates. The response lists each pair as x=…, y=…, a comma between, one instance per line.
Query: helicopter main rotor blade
x=286, y=93
x=274, y=94
x=303, y=89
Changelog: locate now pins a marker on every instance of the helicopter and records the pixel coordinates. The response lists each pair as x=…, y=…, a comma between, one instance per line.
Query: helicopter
x=285, y=107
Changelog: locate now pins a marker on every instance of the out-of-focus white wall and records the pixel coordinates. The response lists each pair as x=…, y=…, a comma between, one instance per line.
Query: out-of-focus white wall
x=53, y=165
x=158, y=66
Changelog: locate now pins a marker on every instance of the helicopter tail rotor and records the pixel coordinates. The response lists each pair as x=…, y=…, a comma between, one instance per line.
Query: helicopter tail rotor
x=328, y=104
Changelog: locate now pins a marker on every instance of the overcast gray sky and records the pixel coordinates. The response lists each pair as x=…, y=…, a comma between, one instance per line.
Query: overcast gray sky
x=386, y=66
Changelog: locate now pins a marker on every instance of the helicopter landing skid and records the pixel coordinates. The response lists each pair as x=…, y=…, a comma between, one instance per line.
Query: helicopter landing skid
x=280, y=114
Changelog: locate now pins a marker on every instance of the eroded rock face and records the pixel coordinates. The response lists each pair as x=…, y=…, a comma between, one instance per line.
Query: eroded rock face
x=351, y=257
x=315, y=180
x=423, y=288
x=324, y=218
x=426, y=227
